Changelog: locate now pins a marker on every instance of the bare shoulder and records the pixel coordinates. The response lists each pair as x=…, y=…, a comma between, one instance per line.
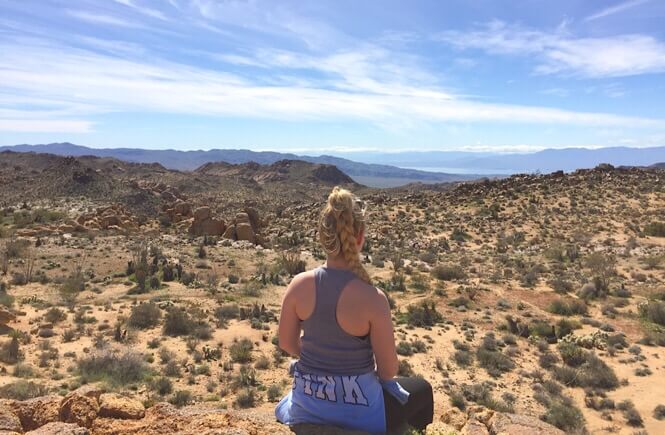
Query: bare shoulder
x=299, y=283
x=368, y=294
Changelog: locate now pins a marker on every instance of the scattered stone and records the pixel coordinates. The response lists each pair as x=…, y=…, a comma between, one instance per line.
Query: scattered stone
x=116, y=406
x=59, y=428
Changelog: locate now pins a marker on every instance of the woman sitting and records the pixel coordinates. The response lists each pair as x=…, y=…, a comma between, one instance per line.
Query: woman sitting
x=345, y=375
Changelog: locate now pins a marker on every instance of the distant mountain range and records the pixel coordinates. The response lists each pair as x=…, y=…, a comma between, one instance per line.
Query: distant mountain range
x=370, y=174
x=549, y=160
x=383, y=169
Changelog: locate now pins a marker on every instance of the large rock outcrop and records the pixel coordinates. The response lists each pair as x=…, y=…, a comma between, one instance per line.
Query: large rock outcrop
x=205, y=225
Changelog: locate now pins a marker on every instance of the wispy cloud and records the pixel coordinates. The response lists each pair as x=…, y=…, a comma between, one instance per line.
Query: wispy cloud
x=97, y=18
x=154, y=13
x=80, y=83
x=615, y=9
x=559, y=52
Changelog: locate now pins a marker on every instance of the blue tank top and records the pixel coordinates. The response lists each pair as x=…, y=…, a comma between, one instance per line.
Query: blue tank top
x=334, y=382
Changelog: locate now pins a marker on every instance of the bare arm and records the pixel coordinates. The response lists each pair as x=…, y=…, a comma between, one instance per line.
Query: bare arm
x=289, y=322
x=383, y=338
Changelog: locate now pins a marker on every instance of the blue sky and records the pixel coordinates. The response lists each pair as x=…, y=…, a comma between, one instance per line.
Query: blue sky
x=335, y=75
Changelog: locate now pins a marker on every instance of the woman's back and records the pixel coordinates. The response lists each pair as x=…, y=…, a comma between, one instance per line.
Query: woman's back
x=335, y=325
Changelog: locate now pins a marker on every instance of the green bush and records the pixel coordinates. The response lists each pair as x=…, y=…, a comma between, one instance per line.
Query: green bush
x=494, y=362
x=144, y=316
x=653, y=311
x=181, y=398
x=161, y=385
x=245, y=398
x=423, y=314
x=564, y=415
x=22, y=390
x=241, y=351
x=113, y=368
x=448, y=272
x=655, y=229
x=568, y=307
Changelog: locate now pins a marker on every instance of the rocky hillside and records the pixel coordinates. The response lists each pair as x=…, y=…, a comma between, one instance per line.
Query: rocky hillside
x=541, y=296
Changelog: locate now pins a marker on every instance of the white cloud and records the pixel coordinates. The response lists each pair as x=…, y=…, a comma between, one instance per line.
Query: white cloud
x=615, y=9
x=154, y=13
x=95, y=18
x=45, y=126
x=558, y=52
x=363, y=85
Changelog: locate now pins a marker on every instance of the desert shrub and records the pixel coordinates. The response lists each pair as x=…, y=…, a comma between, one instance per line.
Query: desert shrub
x=448, y=272
x=659, y=412
x=482, y=395
x=597, y=374
x=114, y=368
x=653, y=311
x=547, y=360
x=423, y=314
x=568, y=307
x=22, y=390
x=262, y=363
x=144, y=316
x=241, y=351
x=568, y=376
x=178, y=322
x=463, y=358
x=404, y=368
x=23, y=370
x=10, y=351
x=564, y=327
x=161, y=385
x=54, y=315
x=227, y=312
x=655, y=229
x=245, y=398
x=602, y=267
x=457, y=400
x=630, y=413
x=561, y=285
x=181, y=398
x=291, y=262
x=564, y=415
x=274, y=393
x=494, y=362
x=404, y=348
x=572, y=354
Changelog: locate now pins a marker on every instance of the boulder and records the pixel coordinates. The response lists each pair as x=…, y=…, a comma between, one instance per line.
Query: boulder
x=513, y=424
x=37, y=412
x=230, y=232
x=243, y=218
x=202, y=213
x=116, y=406
x=80, y=407
x=6, y=316
x=244, y=231
x=474, y=427
x=59, y=428
x=183, y=208
x=8, y=420
x=454, y=417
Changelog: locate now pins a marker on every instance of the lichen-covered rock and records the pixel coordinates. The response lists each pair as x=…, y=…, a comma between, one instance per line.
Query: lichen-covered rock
x=37, y=412
x=474, y=427
x=80, y=407
x=513, y=424
x=116, y=406
x=244, y=231
x=59, y=428
x=454, y=417
x=8, y=420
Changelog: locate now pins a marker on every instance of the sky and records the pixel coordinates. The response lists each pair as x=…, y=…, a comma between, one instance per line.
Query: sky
x=332, y=76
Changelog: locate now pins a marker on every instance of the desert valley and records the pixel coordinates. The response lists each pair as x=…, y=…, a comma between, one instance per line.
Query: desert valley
x=138, y=299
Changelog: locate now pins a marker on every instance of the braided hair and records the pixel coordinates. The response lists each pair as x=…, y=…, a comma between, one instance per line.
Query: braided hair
x=342, y=220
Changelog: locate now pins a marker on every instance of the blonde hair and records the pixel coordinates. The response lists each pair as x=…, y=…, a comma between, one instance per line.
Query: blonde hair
x=342, y=220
